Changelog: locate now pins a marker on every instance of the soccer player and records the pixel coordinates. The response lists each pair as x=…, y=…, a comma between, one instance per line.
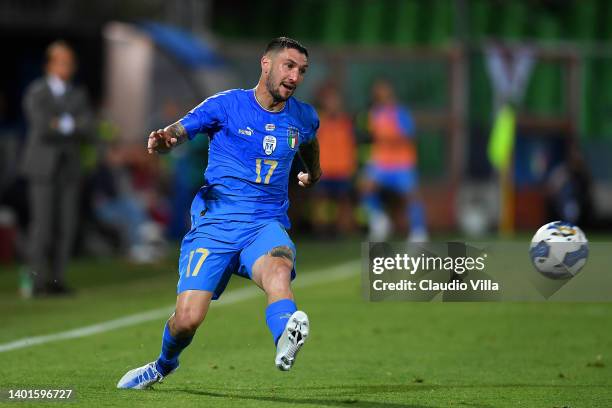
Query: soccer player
x=239, y=217
x=392, y=165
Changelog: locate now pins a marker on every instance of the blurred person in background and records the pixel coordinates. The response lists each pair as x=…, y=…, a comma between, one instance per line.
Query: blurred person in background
x=117, y=206
x=59, y=119
x=338, y=162
x=569, y=192
x=8, y=148
x=392, y=165
x=9, y=186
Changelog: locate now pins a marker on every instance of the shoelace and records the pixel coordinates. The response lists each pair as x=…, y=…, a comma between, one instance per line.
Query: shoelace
x=152, y=370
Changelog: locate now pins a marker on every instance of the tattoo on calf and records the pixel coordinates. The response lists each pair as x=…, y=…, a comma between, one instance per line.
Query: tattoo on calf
x=282, y=252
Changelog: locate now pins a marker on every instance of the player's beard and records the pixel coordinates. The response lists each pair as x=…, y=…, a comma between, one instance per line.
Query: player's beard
x=275, y=90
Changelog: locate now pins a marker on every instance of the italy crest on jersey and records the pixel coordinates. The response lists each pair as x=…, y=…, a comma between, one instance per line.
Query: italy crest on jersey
x=292, y=137
x=269, y=144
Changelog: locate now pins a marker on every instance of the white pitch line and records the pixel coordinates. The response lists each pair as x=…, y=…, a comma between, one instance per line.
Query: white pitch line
x=334, y=273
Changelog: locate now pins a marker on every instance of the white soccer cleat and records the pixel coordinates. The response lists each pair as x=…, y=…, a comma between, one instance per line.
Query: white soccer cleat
x=142, y=377
x=292, y=340
x=379, y=226
x=419, y=235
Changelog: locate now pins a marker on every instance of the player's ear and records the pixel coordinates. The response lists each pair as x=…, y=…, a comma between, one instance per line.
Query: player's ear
x=266, y=63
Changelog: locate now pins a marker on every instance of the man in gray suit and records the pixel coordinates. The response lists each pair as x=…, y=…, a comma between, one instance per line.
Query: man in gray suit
x=59, y=120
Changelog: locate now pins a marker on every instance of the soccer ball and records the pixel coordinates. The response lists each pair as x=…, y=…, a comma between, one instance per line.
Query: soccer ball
x=559, y=250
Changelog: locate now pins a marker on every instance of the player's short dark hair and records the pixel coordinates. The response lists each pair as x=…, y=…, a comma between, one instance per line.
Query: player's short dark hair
x=282, y=43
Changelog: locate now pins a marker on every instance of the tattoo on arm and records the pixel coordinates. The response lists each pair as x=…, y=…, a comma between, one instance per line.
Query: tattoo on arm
x=178, y=131
x=310, y=155
x=282, y=252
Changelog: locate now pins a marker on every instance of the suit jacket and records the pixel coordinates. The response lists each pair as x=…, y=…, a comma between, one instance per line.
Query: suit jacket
x=47, y=148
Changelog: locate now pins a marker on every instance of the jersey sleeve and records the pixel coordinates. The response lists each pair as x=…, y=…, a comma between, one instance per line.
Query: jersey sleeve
x=312, y=124
x=405, y=122
x=207, y=117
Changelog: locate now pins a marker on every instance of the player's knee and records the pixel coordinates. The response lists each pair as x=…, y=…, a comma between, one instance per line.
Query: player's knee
x=279, y=277
x=282, y=272
x=187, y=320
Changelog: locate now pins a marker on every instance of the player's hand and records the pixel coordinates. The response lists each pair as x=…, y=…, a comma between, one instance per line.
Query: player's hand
x=304, y=180
x=160, y=141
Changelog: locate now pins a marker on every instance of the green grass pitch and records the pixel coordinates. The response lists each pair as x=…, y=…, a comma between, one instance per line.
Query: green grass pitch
x=360, y=354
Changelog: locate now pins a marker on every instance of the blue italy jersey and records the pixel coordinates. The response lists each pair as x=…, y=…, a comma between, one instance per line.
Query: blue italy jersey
x=250, y=154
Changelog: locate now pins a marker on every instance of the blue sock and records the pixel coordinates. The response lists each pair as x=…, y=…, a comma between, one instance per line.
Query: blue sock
x=416, y=214
x=277, y=314
x=171, y=348
x=372, y=202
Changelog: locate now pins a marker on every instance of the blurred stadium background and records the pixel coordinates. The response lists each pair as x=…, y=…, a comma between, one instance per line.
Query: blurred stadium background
x=145, y=62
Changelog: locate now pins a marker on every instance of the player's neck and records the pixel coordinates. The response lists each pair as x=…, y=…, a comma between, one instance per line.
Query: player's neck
x=266, y=100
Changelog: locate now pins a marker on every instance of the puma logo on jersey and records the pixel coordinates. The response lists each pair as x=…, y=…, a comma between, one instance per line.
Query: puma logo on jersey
x=248, y=131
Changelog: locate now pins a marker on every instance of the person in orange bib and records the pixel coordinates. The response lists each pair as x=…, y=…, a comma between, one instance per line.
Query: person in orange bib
x=392, y=166
x=338, y=161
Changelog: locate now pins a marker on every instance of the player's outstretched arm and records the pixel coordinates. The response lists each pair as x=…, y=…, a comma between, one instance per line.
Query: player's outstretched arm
x=163, y=140
x=309, y=153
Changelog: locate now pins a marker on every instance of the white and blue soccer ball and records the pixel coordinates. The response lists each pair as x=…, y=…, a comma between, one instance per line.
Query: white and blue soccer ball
x=559, y=250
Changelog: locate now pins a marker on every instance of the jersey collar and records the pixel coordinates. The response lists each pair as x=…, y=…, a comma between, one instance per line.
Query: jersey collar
x=252, y=93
